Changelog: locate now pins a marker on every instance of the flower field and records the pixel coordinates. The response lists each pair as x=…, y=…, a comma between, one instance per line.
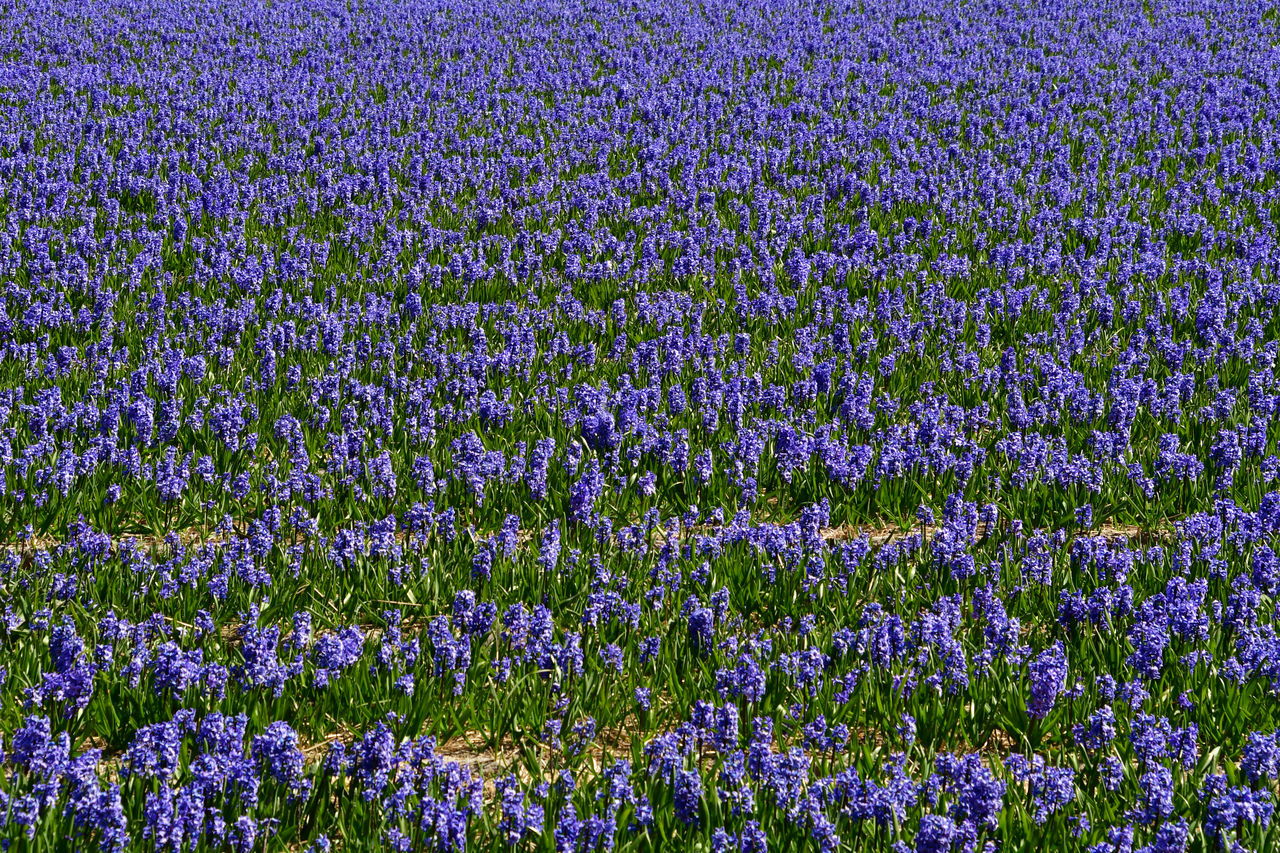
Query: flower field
x=586, y=425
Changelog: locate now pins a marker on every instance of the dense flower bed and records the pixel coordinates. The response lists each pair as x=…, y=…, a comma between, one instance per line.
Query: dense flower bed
x=752, y=426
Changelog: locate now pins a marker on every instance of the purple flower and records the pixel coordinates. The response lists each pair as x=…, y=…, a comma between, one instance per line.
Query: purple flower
x=277, y=752
x=1156, y=789
x=1261, y=759
x=1048, y=678
x=518, y=818
x=936, y=834
x=701, y=627
x=335, y=652
x=688, y=796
